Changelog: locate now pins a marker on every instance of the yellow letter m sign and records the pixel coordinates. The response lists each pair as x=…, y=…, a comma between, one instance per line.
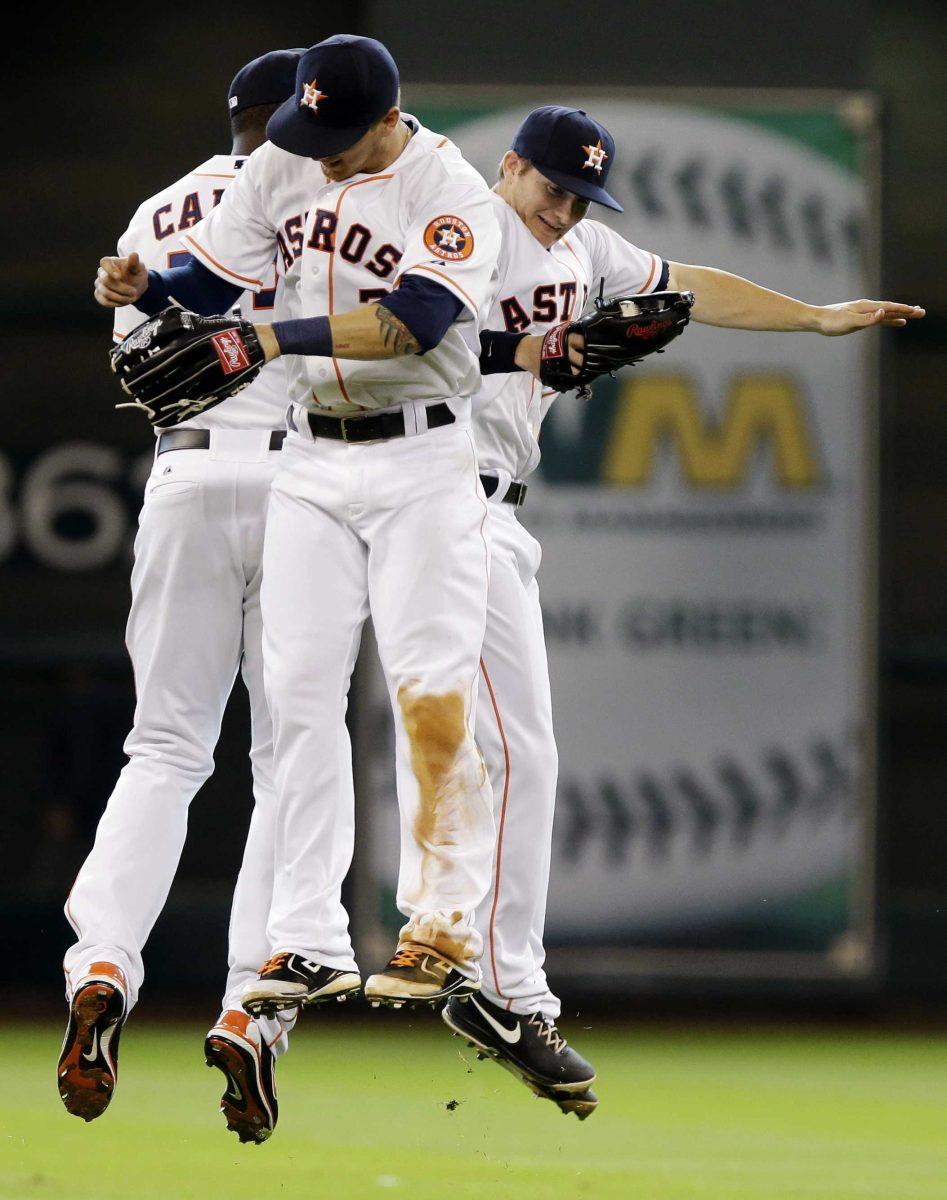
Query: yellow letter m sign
x=761, y=412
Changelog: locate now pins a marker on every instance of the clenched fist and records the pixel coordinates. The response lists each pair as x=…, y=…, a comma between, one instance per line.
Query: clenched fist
x=120, y=281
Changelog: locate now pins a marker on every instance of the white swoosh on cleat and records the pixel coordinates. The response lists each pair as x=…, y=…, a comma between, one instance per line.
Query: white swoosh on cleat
x=512, y=1036
x=91, y=1054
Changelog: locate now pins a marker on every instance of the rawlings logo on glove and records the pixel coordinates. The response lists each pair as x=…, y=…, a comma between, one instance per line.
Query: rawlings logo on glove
x=178, y=364
x=621, y=331
x=231, y=351
x=140, y=336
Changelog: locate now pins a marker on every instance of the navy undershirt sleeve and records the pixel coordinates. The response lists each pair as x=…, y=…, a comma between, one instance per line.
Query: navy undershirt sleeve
x=155, y=297
x=193, y=287
x=427, y=308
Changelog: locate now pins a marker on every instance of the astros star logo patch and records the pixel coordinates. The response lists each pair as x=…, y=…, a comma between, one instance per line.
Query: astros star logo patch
x=311, y=96
x=449, y=238
x=595, y=156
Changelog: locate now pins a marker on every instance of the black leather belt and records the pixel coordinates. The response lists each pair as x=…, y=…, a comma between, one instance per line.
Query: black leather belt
x=515, y=493
x=199, y=439
x=378, y=428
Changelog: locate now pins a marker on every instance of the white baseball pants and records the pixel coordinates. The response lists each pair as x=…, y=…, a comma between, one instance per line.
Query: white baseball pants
x=515, y=735
x=395, y=528
x=514, y=731
x=194, y=621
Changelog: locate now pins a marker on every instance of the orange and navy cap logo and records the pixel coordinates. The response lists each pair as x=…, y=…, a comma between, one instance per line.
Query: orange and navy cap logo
x=595, y=156
x=449, y=238
x=311, y=96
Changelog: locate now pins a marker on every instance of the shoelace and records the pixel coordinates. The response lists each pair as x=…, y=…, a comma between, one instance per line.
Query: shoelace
x=409, y=955
x=547, y=1030
x=276, y=963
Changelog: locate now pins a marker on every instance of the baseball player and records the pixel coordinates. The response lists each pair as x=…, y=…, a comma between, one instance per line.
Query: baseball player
x=377, y=505
x=551, y=260
x=194, y=620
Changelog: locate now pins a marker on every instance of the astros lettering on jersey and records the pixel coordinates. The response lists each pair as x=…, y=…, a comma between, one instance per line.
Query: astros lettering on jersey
x=349, y=243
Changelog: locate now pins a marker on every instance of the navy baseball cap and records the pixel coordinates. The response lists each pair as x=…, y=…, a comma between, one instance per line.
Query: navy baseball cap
x=570, y=149
x=343, y=86
x=269, y=79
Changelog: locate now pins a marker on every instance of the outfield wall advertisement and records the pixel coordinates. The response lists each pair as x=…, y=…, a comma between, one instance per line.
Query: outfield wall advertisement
x=707, y=521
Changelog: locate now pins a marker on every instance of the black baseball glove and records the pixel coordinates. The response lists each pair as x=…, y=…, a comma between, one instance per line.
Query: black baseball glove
x=177, y=364
x=621, y=331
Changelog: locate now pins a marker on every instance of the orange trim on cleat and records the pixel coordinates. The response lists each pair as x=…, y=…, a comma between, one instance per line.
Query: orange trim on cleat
x=275, y=963
x=235, y=1020
x=107, y=970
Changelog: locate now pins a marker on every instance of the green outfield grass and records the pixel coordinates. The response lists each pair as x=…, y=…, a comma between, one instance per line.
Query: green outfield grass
x=735, y=1115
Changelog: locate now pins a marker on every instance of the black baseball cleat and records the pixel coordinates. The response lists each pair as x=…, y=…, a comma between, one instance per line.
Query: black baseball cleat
x=582, y=1104
x=417, y=974
x=88, y=1065
x=529, y=1047
x=235, y=1046
x=290, y=981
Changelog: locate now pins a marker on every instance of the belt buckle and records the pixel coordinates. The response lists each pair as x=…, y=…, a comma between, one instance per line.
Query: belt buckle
x=342, y=429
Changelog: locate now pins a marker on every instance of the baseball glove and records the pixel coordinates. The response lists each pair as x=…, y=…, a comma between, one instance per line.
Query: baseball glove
x=177, y=364
x=621, y=331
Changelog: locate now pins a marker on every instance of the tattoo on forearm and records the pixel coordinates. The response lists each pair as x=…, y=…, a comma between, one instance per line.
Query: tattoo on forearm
x=395, y=334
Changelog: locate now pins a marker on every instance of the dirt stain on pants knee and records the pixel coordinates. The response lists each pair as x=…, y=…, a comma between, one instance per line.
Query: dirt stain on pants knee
x=447, y=767
x=436, y=727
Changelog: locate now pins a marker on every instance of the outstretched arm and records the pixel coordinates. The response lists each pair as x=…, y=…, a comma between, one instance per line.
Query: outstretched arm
x=734, y=303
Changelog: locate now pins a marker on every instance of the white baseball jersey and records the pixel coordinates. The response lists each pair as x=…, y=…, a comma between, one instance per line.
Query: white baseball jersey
x=155, y=233
x=537, y=288
x=348, y=243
